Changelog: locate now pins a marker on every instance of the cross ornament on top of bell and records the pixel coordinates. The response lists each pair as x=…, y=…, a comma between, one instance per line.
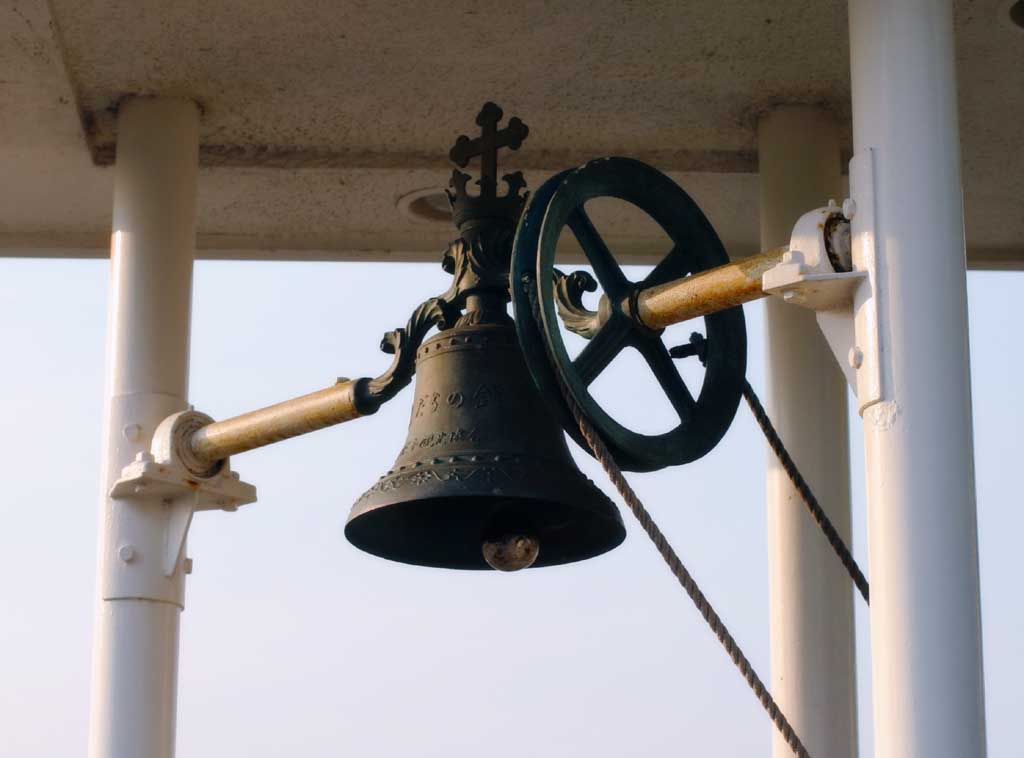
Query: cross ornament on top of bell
x=485, y=478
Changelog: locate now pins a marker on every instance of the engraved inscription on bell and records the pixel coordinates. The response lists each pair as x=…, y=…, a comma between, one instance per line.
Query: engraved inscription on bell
x=477, y=397
x=436, y=439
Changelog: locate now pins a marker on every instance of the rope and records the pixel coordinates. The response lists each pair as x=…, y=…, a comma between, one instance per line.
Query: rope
x=801, y=486
x=682, y=575
x=698, y=346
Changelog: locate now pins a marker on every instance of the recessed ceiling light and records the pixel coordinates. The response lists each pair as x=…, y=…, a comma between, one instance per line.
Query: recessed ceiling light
x=426, y=205
x=1013, y=12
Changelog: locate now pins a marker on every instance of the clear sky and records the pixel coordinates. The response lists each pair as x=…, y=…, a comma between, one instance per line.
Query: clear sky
x=295, y=643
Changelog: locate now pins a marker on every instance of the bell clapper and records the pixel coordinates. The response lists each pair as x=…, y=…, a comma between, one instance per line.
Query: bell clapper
x=511, y=551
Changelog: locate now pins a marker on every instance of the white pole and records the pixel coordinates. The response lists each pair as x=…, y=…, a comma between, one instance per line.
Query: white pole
x=922, y=533
x=135, y=646
x=811, y=616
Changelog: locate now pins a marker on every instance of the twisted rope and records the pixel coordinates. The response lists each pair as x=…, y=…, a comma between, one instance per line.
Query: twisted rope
x=682, y=575
x=698, y=347
x=801, y=486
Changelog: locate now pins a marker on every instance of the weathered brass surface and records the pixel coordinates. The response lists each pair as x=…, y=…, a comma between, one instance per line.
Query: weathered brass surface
x=483, y=457
x=347, y=400
x=290, y=418
x=706, y=292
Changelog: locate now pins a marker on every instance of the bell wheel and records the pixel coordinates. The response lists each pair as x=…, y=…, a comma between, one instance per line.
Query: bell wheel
x=540, y=296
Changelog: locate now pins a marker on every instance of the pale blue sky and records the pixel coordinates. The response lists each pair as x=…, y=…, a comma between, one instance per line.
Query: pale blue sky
x=295, y=643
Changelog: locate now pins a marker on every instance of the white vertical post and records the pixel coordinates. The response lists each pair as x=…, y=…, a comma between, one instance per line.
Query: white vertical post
x=811, y=616
x=922, y=531
x=135, y=644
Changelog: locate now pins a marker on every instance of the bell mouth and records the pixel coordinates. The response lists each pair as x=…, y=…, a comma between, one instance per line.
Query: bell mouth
x=450, y=532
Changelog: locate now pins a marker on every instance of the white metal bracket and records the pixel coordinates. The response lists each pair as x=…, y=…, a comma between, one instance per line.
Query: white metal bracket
x=157, y=487
x=844, y=301
x=867, y=349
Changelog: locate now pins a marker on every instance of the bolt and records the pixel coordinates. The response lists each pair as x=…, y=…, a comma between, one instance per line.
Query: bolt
x=696, y=346
x=126, y=553
x=132, y=432
x=849, y=208
x=856, y=357
x=789, y=295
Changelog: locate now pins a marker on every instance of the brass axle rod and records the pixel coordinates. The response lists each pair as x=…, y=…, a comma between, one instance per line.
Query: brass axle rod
x=707, y=292
x=666, y=304
x=274, y=423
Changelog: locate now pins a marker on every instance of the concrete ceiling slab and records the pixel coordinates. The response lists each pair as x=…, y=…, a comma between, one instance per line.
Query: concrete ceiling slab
x=319, y=115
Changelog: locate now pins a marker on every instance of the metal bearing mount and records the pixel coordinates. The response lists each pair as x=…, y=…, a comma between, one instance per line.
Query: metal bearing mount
x=539, y=289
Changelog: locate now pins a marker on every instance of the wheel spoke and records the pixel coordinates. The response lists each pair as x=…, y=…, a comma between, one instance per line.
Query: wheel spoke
x=606, y=268
x=664, y=370
x=601, y=350
x=672, y=266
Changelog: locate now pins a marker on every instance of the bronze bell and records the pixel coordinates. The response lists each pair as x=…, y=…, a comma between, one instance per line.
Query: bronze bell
x=485, y=468
x=485, y=477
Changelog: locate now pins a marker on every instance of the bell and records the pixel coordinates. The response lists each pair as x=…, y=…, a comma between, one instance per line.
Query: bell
x=485, y=478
